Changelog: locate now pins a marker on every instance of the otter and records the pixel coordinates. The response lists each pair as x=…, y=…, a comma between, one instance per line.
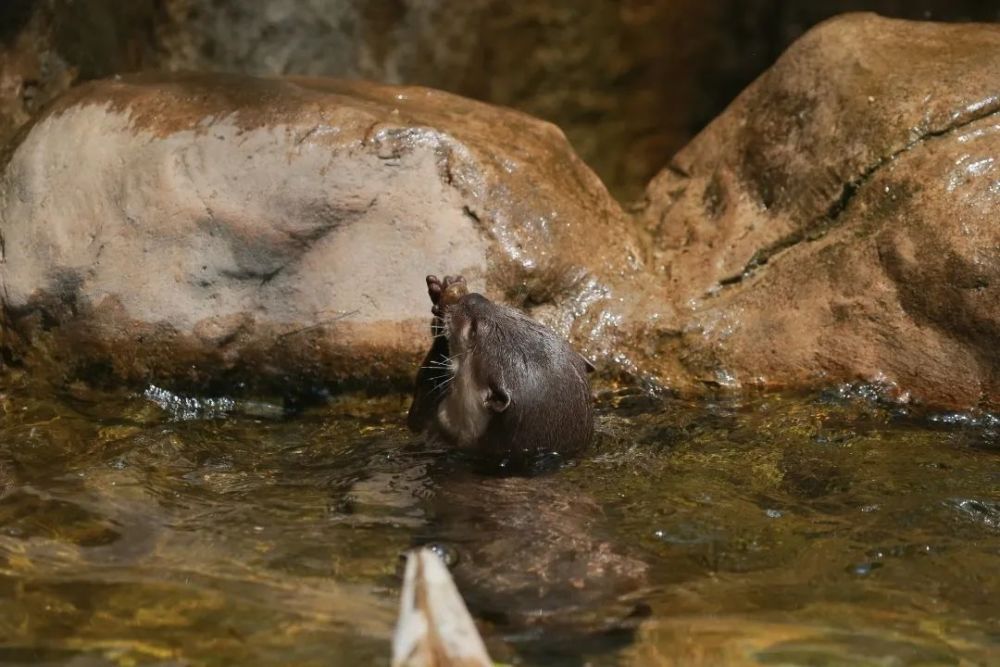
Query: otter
x=497, y=382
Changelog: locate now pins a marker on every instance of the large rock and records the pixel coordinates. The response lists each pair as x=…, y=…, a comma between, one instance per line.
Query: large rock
x=629, y=82
x=195, y=228
x=835, y=223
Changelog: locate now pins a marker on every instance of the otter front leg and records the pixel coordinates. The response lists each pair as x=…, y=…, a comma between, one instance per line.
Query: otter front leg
x=435, y=371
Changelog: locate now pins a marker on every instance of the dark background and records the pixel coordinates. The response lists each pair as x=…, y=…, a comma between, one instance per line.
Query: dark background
x=630, y=81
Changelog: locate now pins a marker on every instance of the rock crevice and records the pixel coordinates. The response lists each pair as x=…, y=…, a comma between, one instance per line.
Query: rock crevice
x=819, y=227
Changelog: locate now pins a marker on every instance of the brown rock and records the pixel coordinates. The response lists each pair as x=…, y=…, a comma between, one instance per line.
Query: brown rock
x=196, y=228
x=833, y=224
x=620, y=78
x=628, y=81
x=46, y=46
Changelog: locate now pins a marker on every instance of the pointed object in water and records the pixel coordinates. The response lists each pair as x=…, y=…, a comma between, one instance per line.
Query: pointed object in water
x=434, y=628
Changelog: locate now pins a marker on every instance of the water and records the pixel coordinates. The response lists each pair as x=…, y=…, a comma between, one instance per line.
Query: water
x=822, y=530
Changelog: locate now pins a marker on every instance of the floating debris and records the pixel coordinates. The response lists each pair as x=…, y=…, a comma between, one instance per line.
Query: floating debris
x=434, y=628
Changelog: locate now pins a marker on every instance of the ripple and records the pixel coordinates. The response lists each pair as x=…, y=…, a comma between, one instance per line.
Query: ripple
x=986, y=512
x=187, y=408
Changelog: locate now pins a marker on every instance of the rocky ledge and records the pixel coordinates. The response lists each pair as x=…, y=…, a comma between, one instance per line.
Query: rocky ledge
x=832, y=225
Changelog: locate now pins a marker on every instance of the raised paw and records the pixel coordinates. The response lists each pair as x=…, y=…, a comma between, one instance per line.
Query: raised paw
x=434, y=289
x=445, y=292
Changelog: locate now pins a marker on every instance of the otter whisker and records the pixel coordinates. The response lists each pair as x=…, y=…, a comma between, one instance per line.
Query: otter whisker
x=442, y=367
x=449, y=376
x=440, y=387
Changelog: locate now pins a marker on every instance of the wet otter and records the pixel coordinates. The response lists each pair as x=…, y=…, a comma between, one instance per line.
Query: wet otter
x=500, y=383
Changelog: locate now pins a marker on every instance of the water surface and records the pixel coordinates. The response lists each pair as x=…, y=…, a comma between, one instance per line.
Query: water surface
x=819, y=530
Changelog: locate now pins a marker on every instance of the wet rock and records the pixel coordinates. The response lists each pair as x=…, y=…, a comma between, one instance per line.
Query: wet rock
x=832, y=226
x=597, y=68
x=834, y=223
x=629, y=82
x=198, y=229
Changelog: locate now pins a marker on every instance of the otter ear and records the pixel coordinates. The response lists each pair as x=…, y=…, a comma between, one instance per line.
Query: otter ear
x=498, y=399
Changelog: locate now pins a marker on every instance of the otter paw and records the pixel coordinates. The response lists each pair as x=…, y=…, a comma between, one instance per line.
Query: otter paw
x=454, y=288
x=453, y=280
x=434, y=289
x=445, y=292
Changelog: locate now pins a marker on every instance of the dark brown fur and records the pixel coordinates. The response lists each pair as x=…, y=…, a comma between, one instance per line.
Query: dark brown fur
x=499, y=382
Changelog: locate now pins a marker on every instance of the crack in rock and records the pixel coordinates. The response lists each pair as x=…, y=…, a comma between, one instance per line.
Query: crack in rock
x=823, y=224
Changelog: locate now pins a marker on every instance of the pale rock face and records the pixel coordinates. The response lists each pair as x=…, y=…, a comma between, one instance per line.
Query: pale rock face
x=201, y=223
x=198, y=228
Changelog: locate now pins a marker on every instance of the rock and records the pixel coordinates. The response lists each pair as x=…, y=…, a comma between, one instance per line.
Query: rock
x=629, y=82
x=833, y=225
x=596, y=68
x=46, y=46
x=199, y=230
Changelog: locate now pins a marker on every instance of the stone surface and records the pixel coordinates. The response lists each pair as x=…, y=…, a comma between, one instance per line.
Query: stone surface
x=833, y=224
x=597, y=68
x=47, y=45
x=193, y=229
x=629, y=81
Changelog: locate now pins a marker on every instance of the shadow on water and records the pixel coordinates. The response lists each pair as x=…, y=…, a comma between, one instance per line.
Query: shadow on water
x=827, y=529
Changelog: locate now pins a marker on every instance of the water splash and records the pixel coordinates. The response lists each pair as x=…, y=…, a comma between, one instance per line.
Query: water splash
x=188, y=408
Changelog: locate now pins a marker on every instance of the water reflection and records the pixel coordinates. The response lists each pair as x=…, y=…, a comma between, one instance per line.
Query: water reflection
x=536, y=559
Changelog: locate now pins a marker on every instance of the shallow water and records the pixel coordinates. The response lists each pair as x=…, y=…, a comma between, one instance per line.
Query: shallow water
x=823, y=530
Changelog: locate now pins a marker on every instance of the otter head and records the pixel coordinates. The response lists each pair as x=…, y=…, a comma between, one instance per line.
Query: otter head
x=500, y=383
